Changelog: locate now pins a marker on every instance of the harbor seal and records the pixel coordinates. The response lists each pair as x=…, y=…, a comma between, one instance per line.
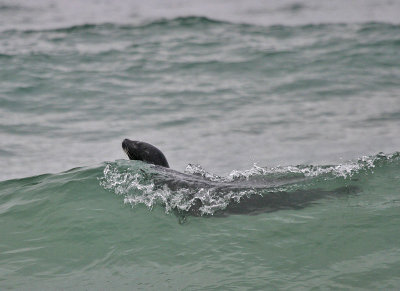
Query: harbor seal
x=143, y=151
x=259, y=198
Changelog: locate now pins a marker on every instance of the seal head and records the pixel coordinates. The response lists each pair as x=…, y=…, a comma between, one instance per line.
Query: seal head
x=143, y=151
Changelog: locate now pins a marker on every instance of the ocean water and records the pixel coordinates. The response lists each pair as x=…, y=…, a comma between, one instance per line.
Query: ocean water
x=280, y=121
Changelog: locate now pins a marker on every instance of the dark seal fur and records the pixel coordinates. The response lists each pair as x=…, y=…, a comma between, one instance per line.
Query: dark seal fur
x=143, y=151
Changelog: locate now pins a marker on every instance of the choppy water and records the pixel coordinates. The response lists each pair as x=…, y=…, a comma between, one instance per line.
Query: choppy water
x=291, y=86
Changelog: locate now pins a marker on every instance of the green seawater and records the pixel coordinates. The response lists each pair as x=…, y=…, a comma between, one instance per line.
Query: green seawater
x=66, y=231
x=280, y=121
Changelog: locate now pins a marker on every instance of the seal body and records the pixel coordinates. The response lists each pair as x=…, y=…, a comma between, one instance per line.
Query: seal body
x=263, y=199
x=143, y=151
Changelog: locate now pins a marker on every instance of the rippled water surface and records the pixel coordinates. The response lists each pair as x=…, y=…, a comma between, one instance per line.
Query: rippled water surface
x=271, y=114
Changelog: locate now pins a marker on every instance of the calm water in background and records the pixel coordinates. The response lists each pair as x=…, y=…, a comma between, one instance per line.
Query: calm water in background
x=224, y=85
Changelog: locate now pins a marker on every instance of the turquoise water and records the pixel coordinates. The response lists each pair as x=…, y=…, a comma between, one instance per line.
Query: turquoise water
x=66, y=231
x=289, y=101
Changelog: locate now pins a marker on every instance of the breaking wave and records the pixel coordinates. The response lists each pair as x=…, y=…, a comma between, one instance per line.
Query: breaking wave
x=199, y=192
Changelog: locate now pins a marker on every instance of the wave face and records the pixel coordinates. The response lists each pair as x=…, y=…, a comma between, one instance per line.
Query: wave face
x=252, y=191
x=119, y=222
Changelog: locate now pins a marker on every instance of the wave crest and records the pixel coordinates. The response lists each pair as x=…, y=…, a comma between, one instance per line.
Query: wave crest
x=207, y=193
x=201, y=22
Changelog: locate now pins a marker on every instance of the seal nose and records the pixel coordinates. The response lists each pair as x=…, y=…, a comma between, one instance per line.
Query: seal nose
x=125, y=143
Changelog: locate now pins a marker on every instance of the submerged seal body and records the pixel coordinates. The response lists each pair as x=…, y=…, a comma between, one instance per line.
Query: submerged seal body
x=143, y=151
x=264, y=201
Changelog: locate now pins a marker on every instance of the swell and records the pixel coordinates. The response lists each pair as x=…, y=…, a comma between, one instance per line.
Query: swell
x=245, y=45
x=190, y=21
x=197, y=191
x=333, y=49
x=202, y=22
x=66, y=225
x=256, y=190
